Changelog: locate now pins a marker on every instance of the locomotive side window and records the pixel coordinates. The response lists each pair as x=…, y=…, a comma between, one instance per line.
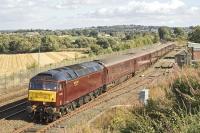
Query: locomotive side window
x=91, y=69
x=98, y=68
x=68, y=76
x=82, y=72
x=38, y=85
x=72, y=73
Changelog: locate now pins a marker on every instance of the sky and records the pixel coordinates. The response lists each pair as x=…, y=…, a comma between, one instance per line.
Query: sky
x=67, y=14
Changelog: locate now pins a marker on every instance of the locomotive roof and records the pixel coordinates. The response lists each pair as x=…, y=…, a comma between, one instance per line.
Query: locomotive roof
x=70, y=72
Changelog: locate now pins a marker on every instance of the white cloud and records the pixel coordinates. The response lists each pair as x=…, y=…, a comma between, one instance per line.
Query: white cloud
x=75, y=3
x=151, y=12
x=80, y=13
x=142, y=7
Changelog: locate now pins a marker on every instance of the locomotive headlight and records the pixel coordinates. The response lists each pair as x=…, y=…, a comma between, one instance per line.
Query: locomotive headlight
x=34, y=106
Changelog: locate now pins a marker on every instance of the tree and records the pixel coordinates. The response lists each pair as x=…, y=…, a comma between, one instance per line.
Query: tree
x=65, y=42
x=94, y=33
x=82, y=42
x=35, y=42
x=194, y=36
x=164, y=33
x=4, y=43
x=113, y=41
x=156, y=38
x=49, y=43
x=179, y=32
x=129, y=36
x=86, y=32
x=96, y=49
x=103, y=42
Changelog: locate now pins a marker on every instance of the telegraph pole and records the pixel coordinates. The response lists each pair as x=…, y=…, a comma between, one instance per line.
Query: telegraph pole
x=39, y=56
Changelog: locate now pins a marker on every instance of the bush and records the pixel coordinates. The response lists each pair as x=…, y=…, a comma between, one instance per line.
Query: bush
x=179, y=113
x=96, y=49
x=103, y=42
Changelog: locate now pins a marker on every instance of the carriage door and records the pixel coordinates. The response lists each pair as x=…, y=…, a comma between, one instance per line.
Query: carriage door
x=64, y=90
x=61, y=93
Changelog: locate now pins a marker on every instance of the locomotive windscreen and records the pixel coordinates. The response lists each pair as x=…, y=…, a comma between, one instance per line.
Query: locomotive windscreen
x=40, y=85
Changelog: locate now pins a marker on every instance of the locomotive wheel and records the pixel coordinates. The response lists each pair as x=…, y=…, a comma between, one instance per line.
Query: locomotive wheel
x=97, y=93
x=63, y=111
x=87, y=98
x=56, y=116
x=74, y=105
x=80, y=101
x=100, y=90
x=104, y=89
x=91, y=94
x=69, y=108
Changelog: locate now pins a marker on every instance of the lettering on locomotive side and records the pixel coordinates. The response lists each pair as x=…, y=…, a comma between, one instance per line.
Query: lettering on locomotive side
x=76, y=83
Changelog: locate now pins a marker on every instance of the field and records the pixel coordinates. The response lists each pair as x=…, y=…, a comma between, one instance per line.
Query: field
x=10, y=63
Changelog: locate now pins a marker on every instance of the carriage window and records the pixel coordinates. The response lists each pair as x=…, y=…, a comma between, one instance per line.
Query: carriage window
x=39, y=85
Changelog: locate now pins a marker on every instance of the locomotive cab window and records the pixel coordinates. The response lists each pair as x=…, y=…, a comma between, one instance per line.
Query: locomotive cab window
x=39, y=85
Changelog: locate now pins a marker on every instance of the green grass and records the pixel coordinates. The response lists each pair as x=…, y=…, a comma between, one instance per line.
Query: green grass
x=178, y=112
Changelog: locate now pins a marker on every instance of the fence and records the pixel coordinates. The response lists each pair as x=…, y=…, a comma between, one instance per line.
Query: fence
x=21, y=79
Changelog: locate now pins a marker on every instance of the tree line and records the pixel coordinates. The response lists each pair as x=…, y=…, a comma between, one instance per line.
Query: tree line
x=98, y=39
x=173, y=34
x=17, y=43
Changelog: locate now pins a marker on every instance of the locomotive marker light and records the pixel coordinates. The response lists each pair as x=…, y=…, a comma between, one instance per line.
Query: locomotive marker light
x=144, y=96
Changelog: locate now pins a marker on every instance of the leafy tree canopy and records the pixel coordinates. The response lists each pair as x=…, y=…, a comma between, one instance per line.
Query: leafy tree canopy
x=194, y=36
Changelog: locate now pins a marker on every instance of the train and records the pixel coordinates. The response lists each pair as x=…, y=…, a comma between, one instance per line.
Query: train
x=56, y=92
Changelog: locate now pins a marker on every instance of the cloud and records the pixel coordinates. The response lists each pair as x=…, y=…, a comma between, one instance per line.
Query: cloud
x=141, y=7
x=55, y=14
x=151, y=12
x=60, y=4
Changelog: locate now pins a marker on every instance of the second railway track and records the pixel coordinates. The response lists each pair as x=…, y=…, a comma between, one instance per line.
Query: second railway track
x=13, y=109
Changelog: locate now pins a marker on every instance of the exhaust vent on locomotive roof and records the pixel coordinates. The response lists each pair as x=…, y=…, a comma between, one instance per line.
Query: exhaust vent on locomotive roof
x=75, y=67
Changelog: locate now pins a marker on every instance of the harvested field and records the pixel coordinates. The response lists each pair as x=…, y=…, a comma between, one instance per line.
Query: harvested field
x=11, y=63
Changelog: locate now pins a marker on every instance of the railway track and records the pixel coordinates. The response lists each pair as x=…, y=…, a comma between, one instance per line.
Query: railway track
x=117, y=91
x=13, y=109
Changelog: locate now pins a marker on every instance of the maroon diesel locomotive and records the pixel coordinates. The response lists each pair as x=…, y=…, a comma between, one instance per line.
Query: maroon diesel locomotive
x=59, y=91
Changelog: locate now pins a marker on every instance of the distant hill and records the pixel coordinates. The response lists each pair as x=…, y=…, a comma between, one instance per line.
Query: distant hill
x=104, y=29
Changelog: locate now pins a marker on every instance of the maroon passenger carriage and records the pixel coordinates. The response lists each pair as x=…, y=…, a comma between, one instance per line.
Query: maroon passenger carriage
x=59, y=91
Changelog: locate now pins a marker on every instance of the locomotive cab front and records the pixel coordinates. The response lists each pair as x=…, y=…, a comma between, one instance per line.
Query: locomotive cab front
x=42, y=96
